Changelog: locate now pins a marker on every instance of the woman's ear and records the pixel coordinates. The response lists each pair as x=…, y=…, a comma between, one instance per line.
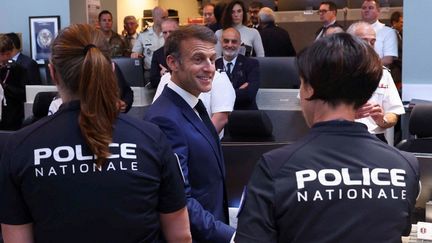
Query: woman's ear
x=53, y=73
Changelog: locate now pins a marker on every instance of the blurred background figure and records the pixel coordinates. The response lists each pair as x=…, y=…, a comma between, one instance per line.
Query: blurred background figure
x=327, y=13
x=158, y=65
x=254, y=8
x=396, y=21
x=386, y=40
x=150, y=40
x=235, y=16
x=12, y=77
x=276, y=41
x=130, y=34
x=32, y=74
x=117, y=46
x=209, y=17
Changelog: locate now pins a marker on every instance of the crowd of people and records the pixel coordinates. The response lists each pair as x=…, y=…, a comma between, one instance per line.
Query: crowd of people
x=90, y=173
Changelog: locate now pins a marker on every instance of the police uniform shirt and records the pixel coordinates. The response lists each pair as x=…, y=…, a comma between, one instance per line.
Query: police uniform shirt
x=337, y=184
x=386, y=95
x=52, y=181
x=147, y=43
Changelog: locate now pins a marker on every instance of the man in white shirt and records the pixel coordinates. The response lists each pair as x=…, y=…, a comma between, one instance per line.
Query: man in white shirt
x=151, y=39
x=386, y=39
x=382, y=109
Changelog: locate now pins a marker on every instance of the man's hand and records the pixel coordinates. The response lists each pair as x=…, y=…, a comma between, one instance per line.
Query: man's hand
x=121, y=106
x=136, y=55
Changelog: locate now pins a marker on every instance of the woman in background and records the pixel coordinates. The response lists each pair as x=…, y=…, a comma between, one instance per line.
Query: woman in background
x=89, y=173
x=235, y=16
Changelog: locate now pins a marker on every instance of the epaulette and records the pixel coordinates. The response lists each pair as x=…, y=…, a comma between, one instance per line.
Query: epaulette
x=386, y=68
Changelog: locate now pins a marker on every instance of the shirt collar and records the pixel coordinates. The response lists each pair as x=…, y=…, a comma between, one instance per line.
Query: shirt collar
x=233, y=61
x=331, y=23
x=15, y=58
x=188, y=97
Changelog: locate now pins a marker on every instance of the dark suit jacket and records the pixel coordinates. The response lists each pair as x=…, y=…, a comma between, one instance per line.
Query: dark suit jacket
x=14, y=94
x=245, y=70
x=32, y=74
x=214, y=27
x=276, y=41
x=202, y=164
x=335, y=24
x=158, y=58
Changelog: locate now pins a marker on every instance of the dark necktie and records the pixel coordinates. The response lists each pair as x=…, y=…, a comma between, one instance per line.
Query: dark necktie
x=206, y=119
x=229, y=68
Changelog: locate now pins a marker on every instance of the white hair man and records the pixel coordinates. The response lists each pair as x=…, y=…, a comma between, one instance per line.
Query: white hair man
x=382, y=109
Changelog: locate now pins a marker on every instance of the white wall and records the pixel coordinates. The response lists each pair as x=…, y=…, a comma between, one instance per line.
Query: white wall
x=185, y=8
x=132, y=7
x=417, y=50
x=15, y=13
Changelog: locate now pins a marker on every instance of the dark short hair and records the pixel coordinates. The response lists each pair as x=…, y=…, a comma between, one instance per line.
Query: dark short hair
x=6, y=44
x=256, y=4
x=104, y=12
x=332, y=5
x=394, y=18
x=341, y=69
x=15, y=39
x=227, y=17
x=173, y=42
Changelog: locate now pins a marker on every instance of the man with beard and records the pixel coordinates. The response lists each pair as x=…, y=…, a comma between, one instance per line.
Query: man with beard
x=242, y=71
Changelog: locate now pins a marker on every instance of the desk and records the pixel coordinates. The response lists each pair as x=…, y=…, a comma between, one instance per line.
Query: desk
x=143, y=97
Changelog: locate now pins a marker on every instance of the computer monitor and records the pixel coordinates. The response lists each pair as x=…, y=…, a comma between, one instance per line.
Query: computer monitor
x=132, y=70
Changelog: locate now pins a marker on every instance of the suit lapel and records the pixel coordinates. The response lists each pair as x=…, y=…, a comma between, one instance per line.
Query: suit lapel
x=237, y=74
x=193, y=118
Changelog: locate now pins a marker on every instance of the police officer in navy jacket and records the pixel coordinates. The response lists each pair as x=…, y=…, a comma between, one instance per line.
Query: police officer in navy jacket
x=339, y=183
x=89, y=173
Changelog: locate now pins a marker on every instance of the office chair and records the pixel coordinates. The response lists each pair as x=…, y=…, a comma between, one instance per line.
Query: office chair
x=248, y=126
x=278, y=73
x=40, y=107
x=420, y=126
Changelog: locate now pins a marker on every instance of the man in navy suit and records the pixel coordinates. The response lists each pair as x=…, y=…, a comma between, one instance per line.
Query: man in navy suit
x=242, y=71
x=327, y=13
x=32, y=74
x=178, y=112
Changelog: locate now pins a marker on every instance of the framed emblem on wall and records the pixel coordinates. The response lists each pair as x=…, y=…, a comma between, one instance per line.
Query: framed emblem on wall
x=43, y=30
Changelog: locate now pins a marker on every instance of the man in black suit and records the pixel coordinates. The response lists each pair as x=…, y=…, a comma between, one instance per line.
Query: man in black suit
x=242, y=71
x=276, y=41
x=12, y=82
x=327, y=13
x=158, y=63
x=32, y=74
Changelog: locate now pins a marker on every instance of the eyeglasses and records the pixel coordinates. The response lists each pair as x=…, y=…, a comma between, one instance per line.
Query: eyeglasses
x=322, y=11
